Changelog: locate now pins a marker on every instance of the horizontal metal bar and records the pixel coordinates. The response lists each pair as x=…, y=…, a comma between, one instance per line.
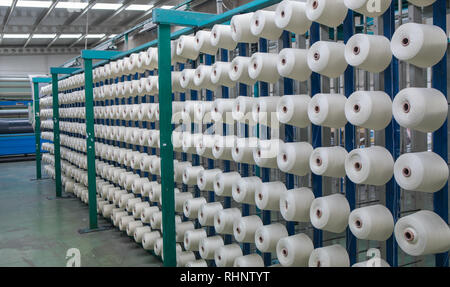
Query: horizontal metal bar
x=180, y=18
x=62, y=70
x=98, y=54
x=42, y=80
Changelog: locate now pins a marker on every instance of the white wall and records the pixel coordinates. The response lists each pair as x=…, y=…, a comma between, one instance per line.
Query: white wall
x=31, y=64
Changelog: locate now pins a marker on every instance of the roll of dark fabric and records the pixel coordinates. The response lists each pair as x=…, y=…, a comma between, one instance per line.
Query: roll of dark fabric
x=15, y=126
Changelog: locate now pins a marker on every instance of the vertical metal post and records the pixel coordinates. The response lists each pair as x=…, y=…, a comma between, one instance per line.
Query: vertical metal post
x=440, y=137
x=392, y=137
x=265, y=172
x=209, y=97
x=243, y=91
x=56, y=142
x=226, y=163
x=350, y=193
x=126, y=41
x=288, y=89
x=90, y=143
x=37, y=130
x=316, y=134
x=166, y=151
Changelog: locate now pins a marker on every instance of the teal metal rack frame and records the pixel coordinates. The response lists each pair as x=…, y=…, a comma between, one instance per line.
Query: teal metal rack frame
x=55, y=71
x=37, y=121
x=88, y=56
x=195, y=21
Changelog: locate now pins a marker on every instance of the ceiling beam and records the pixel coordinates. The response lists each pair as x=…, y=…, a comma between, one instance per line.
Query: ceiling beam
x=53, y=40
x=9, y=14
x=71, y=20
x=40, y=19
x=7, y=18
x=77, y=41
x=125, y=4
x=134, y=20
x=100, y=41
x=75, y=17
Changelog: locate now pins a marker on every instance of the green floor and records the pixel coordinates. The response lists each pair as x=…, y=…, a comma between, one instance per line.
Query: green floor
x=36, y=231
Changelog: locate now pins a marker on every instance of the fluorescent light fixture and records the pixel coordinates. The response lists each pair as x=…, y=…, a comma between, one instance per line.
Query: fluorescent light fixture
x=69, y=36
x=112, y=36
x=166, y=7
x=71, y=5
x=34, y=4
x=5, y=3
x=95, y=36
x=44, y=36
x=138, y=7
x=107, y=6
x=16, y=36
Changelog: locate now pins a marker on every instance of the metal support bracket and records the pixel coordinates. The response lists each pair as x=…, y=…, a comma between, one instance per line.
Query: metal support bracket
x=98, y=229
x=63, y=196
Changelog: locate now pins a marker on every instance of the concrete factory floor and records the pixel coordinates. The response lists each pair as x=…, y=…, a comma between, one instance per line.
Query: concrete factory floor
x=36, y=231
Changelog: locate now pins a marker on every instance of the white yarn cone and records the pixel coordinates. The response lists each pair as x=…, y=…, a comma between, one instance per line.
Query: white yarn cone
x=239, y=71
x=330, y=13
x=422, y=45
x=294, y=158
x=221, y=37
x=422, y=233
x=422, y=109
x=296, y=203
x=373, y=165
x=245, y=228
x=244, y=189
x=328, y=161
x=220, y=74
x=373, y=222
x=327, y=58
x=263, y=25
x=267, y=197
x=371, y=110
x=240, y=28
x=263, y=67
x=421, y=171
x=330, y=213
x=186, y=47
x=295, y=250
x=293, y=110
x=293, y=63
x=203, y=43
x=330, y=256
x=368, y=52
x=267, y=236
x=291, y=16
x=328, y=110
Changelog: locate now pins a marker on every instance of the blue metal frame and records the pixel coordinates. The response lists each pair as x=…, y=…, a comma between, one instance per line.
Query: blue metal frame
x=391, y=84
x=244, y=168
x=350, y=192
x=440, y=137
x=316, y=134
x=288, y=85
